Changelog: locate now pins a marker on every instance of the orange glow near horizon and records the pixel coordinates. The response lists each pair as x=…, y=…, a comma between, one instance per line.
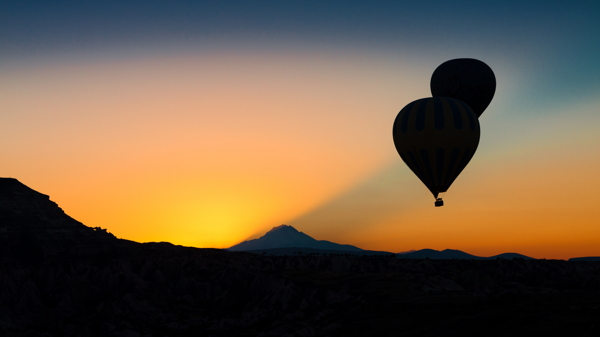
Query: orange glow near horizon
x=210, y=150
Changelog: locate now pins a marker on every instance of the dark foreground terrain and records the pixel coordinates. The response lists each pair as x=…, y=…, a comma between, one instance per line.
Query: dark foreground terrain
x=61, y=278
x=164, y=290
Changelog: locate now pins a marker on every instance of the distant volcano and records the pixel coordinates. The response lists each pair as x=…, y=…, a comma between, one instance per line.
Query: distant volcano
x=284, y=239
x=285, y=236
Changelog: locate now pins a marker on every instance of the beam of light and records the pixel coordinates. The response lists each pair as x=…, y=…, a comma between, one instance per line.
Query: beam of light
x=536, y=195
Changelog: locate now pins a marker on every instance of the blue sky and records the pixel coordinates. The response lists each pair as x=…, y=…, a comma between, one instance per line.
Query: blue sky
x=551, y=41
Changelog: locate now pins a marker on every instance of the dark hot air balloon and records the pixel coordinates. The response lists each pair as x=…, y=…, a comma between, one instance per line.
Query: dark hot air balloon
x=468, y=80
x=436, y=137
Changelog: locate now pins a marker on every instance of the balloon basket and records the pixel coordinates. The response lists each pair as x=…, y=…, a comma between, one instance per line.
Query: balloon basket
x=439, y=202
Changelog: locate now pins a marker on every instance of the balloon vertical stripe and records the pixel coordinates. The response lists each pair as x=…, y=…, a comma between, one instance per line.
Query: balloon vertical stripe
x=440, y=165
x=420, y=125
x=407, y=111
x=439, y=113
x=465, y=160
x=425, y=158
x=456, y=115
x=415, y=166
x=450, y=169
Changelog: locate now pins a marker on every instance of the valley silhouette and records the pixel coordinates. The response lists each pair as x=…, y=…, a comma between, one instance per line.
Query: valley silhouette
x=59, y=277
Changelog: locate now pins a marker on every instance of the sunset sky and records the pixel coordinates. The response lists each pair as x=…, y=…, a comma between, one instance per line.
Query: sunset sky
x=206, y=123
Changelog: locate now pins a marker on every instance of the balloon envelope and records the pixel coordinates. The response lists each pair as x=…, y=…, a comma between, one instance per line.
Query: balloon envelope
x=436, y=137
x=469, y=80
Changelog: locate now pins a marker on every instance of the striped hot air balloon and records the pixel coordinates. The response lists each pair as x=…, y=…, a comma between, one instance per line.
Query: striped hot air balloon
x=436, y=137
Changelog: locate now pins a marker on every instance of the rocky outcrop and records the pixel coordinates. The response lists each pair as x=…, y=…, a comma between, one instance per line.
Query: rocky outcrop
x=33, y=228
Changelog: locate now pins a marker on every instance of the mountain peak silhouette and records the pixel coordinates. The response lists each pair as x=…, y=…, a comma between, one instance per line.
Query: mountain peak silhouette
x=286, y=236
x=288, y=228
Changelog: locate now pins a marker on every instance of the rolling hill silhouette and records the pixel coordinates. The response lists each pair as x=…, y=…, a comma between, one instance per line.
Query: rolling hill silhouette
x=585, y=258
x=439, y=255
x=448, y=254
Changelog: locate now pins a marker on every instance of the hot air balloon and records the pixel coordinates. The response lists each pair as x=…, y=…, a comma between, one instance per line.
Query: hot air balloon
x=436, y=137
x=468, y=80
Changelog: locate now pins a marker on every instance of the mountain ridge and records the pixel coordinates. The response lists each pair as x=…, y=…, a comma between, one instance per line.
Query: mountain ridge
x=287, y=240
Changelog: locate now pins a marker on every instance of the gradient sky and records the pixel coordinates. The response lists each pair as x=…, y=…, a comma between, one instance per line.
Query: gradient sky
x=205, y=123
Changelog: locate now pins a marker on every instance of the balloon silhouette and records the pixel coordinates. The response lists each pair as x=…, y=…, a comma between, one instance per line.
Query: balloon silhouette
x=468, y=80
x=436, y=137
